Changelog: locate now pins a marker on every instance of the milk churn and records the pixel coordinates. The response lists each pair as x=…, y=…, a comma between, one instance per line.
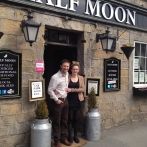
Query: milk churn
x=93, y=125
x=41, y=133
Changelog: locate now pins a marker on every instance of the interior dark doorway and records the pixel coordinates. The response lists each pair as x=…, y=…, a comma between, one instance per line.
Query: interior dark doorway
x=53, y=54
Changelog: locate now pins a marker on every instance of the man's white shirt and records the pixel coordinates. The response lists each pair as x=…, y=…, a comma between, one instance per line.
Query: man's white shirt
x=57, y=86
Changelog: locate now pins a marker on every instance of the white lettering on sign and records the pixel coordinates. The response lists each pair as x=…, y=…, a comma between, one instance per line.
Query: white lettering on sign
x=117, y=14
x=39, y=67
x=97, y=9
x=49, y=2
x=104, y=11
x=72, y=3
x=131, y=17
x=92, y=9
x=59, y=5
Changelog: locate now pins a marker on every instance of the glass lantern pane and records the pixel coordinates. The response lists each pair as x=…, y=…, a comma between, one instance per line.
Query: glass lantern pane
x=104, y=44
x=25, y=33
x=32, y=31
x=110, y=43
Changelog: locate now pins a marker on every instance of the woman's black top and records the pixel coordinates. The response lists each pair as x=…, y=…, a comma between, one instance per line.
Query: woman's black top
x=72, y=97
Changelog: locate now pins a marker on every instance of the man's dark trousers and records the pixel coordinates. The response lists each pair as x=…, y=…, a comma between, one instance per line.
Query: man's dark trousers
x=59, y=117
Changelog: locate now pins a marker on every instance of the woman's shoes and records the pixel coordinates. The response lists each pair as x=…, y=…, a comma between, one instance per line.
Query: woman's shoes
x=76, y=139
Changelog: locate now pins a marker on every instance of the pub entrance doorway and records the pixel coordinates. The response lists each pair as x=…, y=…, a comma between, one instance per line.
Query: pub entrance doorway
x=59, y=45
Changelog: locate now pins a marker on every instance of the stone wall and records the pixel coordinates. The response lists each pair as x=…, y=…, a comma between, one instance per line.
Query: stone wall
x=116, y=108
x=120, y=107
x=17, y=114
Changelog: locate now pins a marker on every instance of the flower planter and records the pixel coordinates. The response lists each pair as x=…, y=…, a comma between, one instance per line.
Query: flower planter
x=127, y=50
x=93, y=125
x=41, y=133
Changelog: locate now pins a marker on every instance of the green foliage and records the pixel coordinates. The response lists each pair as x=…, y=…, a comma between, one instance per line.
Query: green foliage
x=92, y=103
x=42, y=110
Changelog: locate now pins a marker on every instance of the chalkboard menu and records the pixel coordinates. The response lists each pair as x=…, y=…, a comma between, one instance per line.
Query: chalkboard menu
x=10, y=74
x=112, y=74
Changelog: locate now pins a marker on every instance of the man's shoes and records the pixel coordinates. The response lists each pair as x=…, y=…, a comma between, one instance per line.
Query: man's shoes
x=76, y=139
x=65, y=142
x=70, y=139
x=57, y=144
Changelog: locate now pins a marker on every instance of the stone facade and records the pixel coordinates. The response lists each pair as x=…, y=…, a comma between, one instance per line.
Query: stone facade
x=116, y=108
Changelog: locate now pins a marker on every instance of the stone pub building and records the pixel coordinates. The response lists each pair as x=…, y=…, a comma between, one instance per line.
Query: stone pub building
x=73, y=29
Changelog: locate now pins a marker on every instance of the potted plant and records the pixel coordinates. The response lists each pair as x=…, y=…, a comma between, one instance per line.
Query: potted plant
x=41, y=127
x=93, y=118
x=41, y=111
x=92, y=102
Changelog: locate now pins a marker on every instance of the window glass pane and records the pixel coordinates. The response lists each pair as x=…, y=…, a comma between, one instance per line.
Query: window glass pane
x=142, y=77
x=145, y=63
x=63, y=38
x=136, y=63
x=59, y=36
x=146, y=76
x=137, y=49
x=73, y=39
x=142, y=63
x=136, y=77
x=53, y=35
x=143, y=50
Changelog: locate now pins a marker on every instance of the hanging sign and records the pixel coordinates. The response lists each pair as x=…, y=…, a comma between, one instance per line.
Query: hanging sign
x=112, y=12
x=39, y=66
x=10, y=74
x=112, y=74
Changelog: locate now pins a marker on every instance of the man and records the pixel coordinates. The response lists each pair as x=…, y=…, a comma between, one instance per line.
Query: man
x=57, y=90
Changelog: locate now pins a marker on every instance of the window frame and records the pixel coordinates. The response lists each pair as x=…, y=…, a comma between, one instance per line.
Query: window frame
x=139, y=85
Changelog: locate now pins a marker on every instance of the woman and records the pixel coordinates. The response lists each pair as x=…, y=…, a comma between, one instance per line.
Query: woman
x=75, y=98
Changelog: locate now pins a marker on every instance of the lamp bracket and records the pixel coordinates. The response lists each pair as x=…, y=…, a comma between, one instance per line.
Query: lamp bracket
x=119, y=35
x=99, y=36
x=29, y=16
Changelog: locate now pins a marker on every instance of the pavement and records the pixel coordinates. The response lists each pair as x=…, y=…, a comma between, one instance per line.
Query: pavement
x=130, y=135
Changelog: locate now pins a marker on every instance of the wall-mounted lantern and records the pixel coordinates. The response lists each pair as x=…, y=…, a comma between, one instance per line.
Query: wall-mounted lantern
x=1, y=34
x=30, y=28
x=107, y=40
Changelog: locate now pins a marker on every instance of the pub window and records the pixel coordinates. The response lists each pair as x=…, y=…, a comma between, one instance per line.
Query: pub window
x=140, y=64
x=60, y=36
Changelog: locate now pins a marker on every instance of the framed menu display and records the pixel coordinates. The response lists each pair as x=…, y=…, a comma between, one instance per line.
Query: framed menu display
x=10, y=74
x=112, y=74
